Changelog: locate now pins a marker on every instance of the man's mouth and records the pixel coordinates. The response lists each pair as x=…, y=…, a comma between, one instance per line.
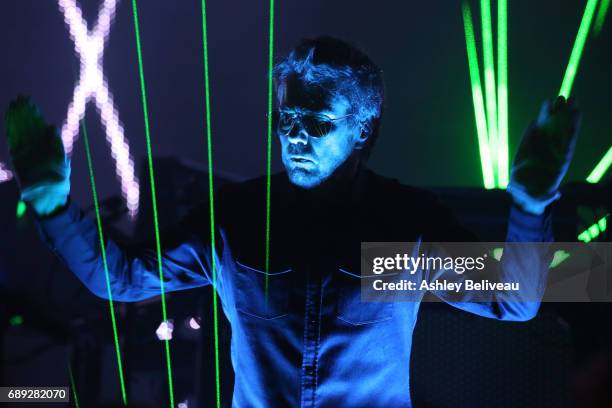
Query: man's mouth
x=300, y=159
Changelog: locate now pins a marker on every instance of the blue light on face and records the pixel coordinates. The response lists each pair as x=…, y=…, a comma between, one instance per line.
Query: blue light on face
x=311, y=159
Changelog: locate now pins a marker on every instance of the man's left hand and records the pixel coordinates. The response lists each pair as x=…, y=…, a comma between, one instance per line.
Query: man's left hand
x=544, y=155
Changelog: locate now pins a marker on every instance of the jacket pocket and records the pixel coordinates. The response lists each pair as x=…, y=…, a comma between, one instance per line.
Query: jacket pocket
x=350, y=308
x=251, y=292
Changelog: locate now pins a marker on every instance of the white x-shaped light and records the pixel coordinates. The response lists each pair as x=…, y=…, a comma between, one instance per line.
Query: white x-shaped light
x=5, y=173
x=92, y=85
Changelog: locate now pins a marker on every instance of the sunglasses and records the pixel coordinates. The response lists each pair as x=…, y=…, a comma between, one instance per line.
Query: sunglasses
x=314, y=124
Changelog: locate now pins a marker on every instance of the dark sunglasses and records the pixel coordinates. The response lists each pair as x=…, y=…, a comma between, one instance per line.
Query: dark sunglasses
x=315, y=125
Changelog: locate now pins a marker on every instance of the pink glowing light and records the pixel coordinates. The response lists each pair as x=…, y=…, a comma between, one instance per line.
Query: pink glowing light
x=92, y=84
x=194, y=323
x=165, y=329
x=5, y=173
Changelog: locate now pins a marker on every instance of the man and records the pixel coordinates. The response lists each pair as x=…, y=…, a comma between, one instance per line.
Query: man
x=310, y=341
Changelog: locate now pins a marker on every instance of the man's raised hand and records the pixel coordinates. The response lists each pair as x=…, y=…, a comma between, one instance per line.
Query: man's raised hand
x=37, y=155
x=544, y=155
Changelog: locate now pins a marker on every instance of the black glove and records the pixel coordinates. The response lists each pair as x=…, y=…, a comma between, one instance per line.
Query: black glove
x=37, y=155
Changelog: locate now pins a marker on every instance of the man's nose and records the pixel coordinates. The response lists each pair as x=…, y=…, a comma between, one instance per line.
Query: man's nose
x=298, y=134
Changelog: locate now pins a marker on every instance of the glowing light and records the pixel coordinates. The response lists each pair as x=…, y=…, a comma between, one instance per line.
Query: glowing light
x=21, y=209
x=502, y=94
x=558, y=258
x=16, y=320
x=497, y=253
x=73, y=386
x=145, y=112
x=269, y=150
x=5, y=173
x=584, y=236
x=489, y=78
x=211, y=198
x=479, y=111
x=601, y=16
x=92, y=84
x=602, y=223
x=574, y=61
x=594, y=230
x=164, y=331
x=109, y=293
x=194, y=323
x=601, y=168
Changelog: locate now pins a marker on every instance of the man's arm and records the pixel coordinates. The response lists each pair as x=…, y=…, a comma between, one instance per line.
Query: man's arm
x=525, y=260
x=133, y=270
x=541, y=162
x=42, y=171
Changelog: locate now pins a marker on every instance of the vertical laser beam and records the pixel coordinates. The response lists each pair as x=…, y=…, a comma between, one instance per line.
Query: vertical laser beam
x=574, y=60
x=601, y=168
x=489, y=79
x=94, y=192
x=73, y=386
x=479, y=111
x=153, y=196
x=502, y=93
x=601, y=16
x=211, y=205
x=269, y=150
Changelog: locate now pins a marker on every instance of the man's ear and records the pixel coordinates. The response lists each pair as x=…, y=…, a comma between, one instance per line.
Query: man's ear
x=366, y=131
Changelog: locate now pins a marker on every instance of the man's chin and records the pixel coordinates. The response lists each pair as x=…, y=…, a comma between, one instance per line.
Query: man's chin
x=304, y=178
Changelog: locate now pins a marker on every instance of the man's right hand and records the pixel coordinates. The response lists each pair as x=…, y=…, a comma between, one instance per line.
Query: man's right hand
x=37, y=154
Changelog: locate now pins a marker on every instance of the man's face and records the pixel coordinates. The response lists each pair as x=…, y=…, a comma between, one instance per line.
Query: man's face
x=311, y=157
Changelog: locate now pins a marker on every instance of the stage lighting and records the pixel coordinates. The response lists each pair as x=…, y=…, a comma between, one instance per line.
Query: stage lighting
x=16, y=320
x=89, y=45
x=5, y=174
x=164, y=331
x=21, y=209
x=194, y=323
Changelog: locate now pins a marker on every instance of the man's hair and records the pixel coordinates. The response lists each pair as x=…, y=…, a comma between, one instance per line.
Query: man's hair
x=343, y=70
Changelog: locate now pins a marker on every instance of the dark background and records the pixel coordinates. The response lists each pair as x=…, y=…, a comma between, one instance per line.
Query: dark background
x=428, y=139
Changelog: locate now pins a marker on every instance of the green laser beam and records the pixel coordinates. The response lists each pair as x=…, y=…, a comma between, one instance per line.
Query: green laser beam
x=73, y=386
x=558, y=258
x=602, y=223
x=489, y=79
x=594, y=230
x=604, y=5
x=601, y=168
x=477, y=98
x=502, y=93
x=269, y=147
x=16, y=320
x=584, y=236
x=94, y=192
x=581, y=37
x=153, y=195
x=497, y=253
x=211, y=205
x=21, y=209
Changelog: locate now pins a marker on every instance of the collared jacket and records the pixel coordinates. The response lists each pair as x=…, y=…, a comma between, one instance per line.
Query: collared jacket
x=301, y=336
